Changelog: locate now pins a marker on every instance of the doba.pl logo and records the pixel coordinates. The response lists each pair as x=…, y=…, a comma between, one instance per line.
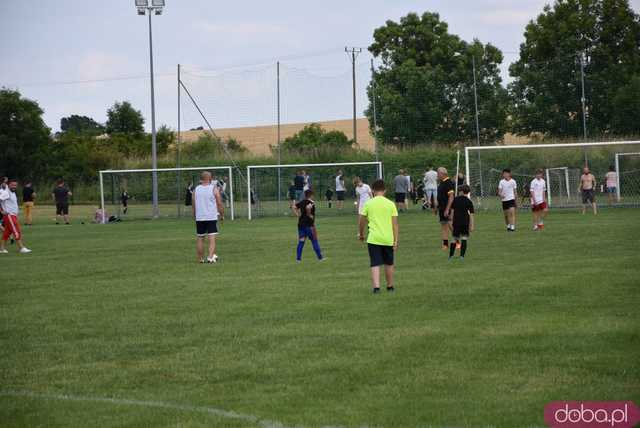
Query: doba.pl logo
x=591, y=414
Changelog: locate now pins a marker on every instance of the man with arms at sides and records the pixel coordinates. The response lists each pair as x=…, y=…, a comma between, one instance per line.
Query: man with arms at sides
x=60, y=195
x=124, y=200
x=588, y=190
x=28, y=199
x=363, y=194
x=401, y=187
x=340, y=190
x=462, y=221
x=207, y=210
x=298, y=183
x=381, y=215
x=306, y=212
x=446, y=194
x=611, y=183
x=507, y=190
x=538, y=190
x=9, y=208
x=431, y=188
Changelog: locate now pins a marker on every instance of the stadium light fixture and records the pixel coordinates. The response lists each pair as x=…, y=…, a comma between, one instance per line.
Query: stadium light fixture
x=156, y=7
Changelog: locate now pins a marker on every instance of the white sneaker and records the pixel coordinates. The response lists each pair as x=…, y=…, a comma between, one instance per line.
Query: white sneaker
x=535, y=227
x=4, y=251
x=213, y=259
x=25, y=250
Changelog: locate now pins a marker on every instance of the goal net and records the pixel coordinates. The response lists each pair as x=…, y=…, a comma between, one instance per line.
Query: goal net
x=127, y=194
x=562, y=166
x=270, y=186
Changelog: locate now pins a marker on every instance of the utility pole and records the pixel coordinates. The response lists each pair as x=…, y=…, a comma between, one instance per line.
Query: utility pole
x=278, y=110
x=354, y=54
x=583, y=100
x=475, y=99
x=179, y=183
x=375, y=119
x=154, y=150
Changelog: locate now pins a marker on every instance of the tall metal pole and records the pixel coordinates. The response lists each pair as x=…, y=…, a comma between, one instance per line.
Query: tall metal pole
x=584, y=109
x=154, y=152
x=375, y=119
x=278, y=110
x=354, y=52
x=475, y=100
x=179, y=181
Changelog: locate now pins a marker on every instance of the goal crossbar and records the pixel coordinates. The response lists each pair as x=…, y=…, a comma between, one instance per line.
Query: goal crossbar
x=301, y=165
x=229, y=170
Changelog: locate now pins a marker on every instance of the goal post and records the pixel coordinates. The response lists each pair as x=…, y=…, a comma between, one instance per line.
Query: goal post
x=268, y=185
x=562, y=164
x=618, y=170
x=172, y=195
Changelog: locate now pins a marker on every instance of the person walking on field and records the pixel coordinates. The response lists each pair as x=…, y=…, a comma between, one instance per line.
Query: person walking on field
x=446, y=195
x=538, y=190
x=431, y=189
x=507, y=190
x=9, y=208
x=28, y=199
x=381, y=216
x=588, y=190
x=401, y=186
x=208, y=208
x=611, y=183
x=61, y=195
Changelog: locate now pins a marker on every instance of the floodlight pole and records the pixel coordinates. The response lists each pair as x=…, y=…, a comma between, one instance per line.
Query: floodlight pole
x=583, y=100
x=354, y=53
x=279, y=146
x=375, y=120
x=179, y=183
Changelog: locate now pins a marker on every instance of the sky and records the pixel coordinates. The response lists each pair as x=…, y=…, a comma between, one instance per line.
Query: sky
x=79, y=57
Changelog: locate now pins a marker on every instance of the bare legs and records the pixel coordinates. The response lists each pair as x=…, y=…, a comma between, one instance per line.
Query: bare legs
x=200, y=247
x=388, y=274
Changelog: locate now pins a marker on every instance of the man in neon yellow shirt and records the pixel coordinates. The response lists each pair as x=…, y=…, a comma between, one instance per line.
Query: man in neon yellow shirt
x=382, y=217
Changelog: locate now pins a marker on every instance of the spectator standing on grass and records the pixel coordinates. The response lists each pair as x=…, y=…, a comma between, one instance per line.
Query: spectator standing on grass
x=28, y=200
x=381, y=217
x=401, y=187
x=60, y=195
x=507, y=190
x=10, y=209
x=341, y=189
x=588, y=190
x=446, y=194
x=188, y=195
x=611, y=183
x=208, y=208
x=430, y=181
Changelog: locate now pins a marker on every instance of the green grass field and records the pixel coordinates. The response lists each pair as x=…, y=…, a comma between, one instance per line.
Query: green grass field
x=116, y=325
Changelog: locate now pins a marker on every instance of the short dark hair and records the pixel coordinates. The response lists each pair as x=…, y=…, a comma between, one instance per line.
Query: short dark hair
x=507, y=170
x=12, y=180
x=465, y=189
x=378, y=186
x=308, y=193
x=539, y=171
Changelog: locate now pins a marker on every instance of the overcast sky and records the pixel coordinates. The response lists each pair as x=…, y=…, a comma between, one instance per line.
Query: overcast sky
x=228, y=50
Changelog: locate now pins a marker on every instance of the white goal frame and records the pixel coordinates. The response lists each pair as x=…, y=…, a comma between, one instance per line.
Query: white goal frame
x=566, y=181
x=300, y=165
x=617, y=165
x=229, y=170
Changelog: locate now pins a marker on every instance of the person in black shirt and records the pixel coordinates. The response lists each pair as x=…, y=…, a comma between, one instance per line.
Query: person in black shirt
x=329, y=195
x=188, y=195
x=292, y=195
x=306, y=212
x=28, y=198
x=61, y=195
x=298, y=182
x=124, y=198
x=446, y=190
x=461, y=221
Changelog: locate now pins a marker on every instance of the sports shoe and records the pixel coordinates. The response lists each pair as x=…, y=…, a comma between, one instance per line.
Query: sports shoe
x=213, y=259
x=201, y=261
x=535, y=227
x=25, y=250
x=391, y=289
x=376, y=290
x=4, y=251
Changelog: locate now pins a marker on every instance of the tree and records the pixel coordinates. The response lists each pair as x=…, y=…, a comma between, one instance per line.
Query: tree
x=605, y=35
x=122, y=118
x=314, y=137
x=165, y=137
x=23, y=135
x=81, y=125
x=424, y=87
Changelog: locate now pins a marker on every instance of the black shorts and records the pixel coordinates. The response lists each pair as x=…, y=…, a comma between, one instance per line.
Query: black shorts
x=442, y=218
x=62, y=208
x=339, y=195
x=401, y=197
x=380, y=255
x=208, y=227
x=588, y=196
x=460, y=231
x=508, y=204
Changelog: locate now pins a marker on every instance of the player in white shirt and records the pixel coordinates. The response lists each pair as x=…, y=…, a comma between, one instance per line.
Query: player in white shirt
x=340, y=190
x=507, y=190
x=10, y=209
x=538, y=190
x=363, y=193
x=430, y=181
x=207, y=210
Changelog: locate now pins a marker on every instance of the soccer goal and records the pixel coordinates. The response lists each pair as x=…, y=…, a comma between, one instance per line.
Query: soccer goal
x=174, y=186
x=271, y=186
x=562, y=165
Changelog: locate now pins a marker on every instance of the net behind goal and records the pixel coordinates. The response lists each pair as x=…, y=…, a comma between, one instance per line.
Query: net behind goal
x=562, y=166
x=270, y=186
x=127, y=194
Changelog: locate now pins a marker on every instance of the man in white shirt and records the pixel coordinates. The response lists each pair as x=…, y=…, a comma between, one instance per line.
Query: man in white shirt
x=611, y=179
x=10, y=209
x=507, y=190
x=363, y=193
x=207, y=210
x=340, y=190
x=430, y=181
x=538, y=190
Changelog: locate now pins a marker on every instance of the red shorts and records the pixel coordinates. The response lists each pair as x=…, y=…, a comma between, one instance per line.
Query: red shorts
x=540, y=207
x=11, y=227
